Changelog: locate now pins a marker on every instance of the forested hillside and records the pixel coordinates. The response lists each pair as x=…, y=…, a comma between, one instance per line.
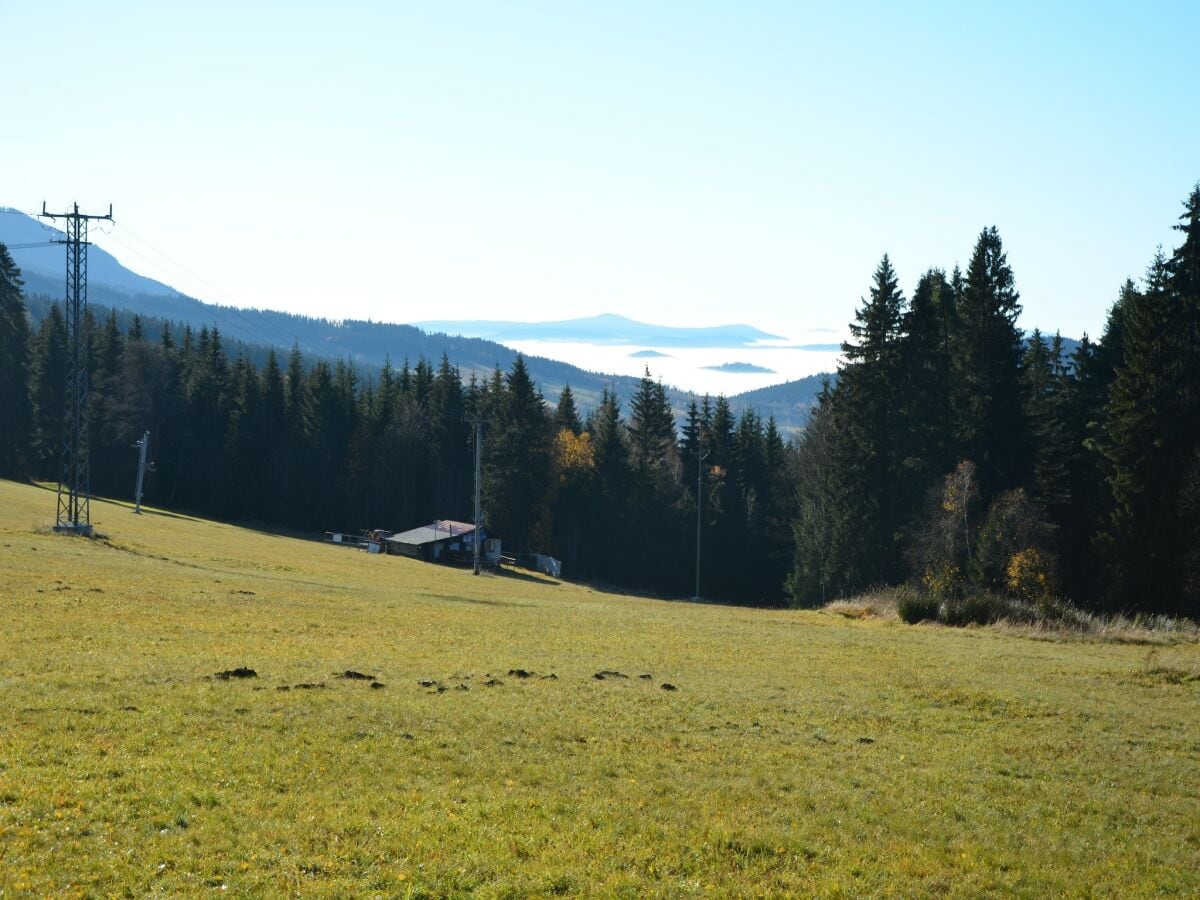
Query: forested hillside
x=951, y=454
x=316, y=447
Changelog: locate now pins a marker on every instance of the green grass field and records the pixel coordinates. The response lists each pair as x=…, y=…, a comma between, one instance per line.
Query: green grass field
x=802, y=753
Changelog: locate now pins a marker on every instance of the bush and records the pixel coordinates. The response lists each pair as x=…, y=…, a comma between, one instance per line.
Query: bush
x=943, y=582
x=984, y=608
x=1015, y=525
x=1030, y=576
x=914, y=606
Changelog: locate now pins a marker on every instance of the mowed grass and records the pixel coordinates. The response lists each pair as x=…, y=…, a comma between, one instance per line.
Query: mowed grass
x=802, y=753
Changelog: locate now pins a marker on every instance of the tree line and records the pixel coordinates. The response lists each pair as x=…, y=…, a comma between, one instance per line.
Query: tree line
x=313, y=446
x=967, y=460
x=953, y=453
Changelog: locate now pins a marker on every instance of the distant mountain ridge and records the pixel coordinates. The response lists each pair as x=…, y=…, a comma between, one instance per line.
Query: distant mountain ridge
x=47, y=262
x=366, y=344
x=606, y=328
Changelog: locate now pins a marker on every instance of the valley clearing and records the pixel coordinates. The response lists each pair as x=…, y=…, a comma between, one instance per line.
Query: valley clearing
x=799, y=753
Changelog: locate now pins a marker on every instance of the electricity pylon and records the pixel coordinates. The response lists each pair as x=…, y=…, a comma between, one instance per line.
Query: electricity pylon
x=75, y=483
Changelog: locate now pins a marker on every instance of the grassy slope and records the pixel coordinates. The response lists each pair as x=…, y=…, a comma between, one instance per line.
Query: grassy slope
x=998, y=764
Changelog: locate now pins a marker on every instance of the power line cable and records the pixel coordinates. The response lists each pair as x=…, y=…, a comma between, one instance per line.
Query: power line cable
x=223, y=294
x=230, y=315
x=261, y=327
x=216, y=310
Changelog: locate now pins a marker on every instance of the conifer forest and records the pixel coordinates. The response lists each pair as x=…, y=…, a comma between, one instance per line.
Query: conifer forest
x=954, y=453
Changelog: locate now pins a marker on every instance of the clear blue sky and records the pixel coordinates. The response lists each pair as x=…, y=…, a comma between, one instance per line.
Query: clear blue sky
x=677, y=162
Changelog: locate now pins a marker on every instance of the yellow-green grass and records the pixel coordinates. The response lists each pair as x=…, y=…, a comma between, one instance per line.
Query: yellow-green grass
x=802, y=753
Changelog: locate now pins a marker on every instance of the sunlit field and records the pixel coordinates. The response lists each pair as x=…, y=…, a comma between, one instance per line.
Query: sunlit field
x=724, y=751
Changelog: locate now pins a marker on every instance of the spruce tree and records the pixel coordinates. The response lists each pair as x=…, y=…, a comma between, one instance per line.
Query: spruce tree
x=109, y=453
x=566, y=415
x=610, y=542
x=927, y=440
x=1045, y=397
x=450, y=440
x=16, y=410
x=517, y=462
x=654, y=500
x=987, y=369
x=868, y=444
x=48, y=388
x=1153, y=428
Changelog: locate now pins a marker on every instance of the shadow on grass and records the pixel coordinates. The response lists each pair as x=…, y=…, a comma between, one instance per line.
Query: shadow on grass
x=476, y=601
x=526, y=576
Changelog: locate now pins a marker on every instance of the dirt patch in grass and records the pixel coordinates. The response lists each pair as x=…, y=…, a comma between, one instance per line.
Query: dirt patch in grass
x=239, y=672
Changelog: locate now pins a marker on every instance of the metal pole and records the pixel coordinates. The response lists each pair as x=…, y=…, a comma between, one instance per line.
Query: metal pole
x=74, y=482
x=143, y=444
x=478, y=511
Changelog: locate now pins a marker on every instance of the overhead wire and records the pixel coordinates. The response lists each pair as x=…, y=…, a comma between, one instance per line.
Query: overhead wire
x=220, y=312
x=30, y=246
x=232, y=306
x=260, y=329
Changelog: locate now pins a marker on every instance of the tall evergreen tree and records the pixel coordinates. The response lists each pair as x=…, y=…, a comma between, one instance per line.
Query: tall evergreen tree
x=927, y=442
x=450, y=439
x=16, y=410
x=109, y=454
x=868, y=445
x=987, y=370
x=1045, y=381
x=517, y=462
x=1153, y=429
x=607, y=554
x=48, y=387
x=566, y=415
x=655, y=489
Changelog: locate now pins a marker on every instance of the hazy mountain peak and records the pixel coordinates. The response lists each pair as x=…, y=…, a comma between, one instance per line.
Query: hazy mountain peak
x=44, y=265
x=605, y=328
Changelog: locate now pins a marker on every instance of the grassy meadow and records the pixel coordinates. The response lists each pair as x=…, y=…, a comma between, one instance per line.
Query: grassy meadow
x=801, y=753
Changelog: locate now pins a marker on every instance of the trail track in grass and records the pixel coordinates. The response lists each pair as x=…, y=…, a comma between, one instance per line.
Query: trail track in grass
x=801, y=753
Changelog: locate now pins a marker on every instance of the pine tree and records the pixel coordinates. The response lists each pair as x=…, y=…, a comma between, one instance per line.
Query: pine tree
x=693, y=454
x=565, y=413
x=655, y=488
x=147, y=396
x=1045, y=382
x=48, y=389
x=777, y=502
x=927, y=442
x=987, y=369
x=517, y=462
x=271, y=440
x=109, y=454
x=609, y=533
x=16, y=409
x=450, y=439
x=1153, y=428
x=867, y=447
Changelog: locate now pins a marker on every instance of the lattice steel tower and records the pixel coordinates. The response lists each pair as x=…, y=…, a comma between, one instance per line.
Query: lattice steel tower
x=74, y=482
